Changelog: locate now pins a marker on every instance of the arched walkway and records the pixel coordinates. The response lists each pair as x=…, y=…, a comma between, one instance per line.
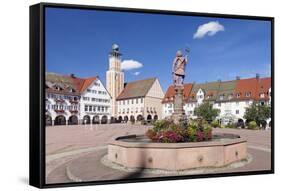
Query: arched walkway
x=112, y=120
x=60, y=120
x=126, y=118
x=73, y=120
x=132, y=119
x=48, y=120
x=240, y=123
x=120, y=119
x=149, y=118
x=139, y=118
x=263, y=124
x=155, y=117
x=86, y=119
x=104, y=119
x=96, y=119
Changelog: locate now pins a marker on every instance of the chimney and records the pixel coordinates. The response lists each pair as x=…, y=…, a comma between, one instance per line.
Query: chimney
x=72, y=76
x=257, y=76
x=237, y=77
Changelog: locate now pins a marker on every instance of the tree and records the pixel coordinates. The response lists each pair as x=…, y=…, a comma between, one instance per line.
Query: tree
x=257, y=113
x=206, y=111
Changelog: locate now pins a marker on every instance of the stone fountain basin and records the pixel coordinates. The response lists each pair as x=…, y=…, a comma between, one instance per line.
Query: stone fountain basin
x=136, y=151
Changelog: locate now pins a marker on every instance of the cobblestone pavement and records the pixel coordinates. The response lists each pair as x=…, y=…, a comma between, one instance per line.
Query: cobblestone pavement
x=74, y=152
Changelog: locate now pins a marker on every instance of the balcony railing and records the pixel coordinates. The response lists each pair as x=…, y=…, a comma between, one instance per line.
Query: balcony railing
x=73, y=101
x=59, y=110
x=59, y=100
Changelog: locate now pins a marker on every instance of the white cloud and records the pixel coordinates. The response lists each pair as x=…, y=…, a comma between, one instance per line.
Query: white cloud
x=210, y=29
x=130, y=65
x=136, y=73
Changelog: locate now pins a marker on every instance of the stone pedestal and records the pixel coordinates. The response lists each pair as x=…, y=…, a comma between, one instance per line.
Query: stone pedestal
x=178, y=113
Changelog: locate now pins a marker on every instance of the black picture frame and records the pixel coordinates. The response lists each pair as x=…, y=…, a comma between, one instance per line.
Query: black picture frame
x=37, y=94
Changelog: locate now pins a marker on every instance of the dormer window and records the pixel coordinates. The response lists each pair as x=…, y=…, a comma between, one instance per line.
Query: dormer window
x=248, y=94
x=58, y=88
x=238, y=95
x=230, y=96
x=72, y=90
x=221, y=97
x=261, y=95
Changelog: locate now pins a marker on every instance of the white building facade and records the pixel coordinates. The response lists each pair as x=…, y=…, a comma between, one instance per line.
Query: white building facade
x=71, y=100
x=230, y=97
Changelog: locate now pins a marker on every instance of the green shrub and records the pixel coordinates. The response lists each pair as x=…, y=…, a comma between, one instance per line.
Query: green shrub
x=191, y=134
x=230, y=125
x=215, y=123
x=252, y=125
x=161, y=125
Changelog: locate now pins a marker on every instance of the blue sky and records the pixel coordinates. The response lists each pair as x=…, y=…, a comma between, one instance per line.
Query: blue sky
x=78, y=41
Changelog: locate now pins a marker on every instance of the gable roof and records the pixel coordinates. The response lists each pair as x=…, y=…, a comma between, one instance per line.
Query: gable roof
x=209, y=88
x=263, y=87
x=245, y=86
x=79, y=85
x=228, y=89
x=136, y=89
x=170, y=93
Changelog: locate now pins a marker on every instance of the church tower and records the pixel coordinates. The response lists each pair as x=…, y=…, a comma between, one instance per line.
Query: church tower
x=114, y=77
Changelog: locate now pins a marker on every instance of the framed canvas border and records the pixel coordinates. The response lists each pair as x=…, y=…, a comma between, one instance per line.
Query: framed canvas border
x=37, y=94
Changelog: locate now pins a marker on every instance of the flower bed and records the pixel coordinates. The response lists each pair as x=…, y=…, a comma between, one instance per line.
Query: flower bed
x=165, y=131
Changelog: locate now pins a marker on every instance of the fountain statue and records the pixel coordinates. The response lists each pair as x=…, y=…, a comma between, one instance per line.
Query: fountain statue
x=178, y=72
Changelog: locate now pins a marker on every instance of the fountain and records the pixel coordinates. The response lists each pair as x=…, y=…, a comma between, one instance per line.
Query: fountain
x=140, y=151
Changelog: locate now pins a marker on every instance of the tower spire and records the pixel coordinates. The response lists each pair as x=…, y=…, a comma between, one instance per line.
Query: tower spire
x=114, y=77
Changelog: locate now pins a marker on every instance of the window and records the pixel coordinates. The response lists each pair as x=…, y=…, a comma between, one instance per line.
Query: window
x=238, y=95
x=247, y=102
x=123, y=102
x=221, y=97
x=237, y=111
x=262, y=95
x=219, y=104
x=248, y=94
x=137, y=101
x=128, y=102
x=90, y=108
x=237, y=103
x=132, y=101
x=88, y=90
x=141, y=100
x=86, y=108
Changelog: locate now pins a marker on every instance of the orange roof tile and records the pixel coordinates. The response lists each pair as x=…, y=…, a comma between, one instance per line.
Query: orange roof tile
x=170, y=93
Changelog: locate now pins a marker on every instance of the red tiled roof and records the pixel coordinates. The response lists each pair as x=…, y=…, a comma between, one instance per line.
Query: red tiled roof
x=263, y=87
x=78, y=84
x=254, y=86
x=170, y=93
